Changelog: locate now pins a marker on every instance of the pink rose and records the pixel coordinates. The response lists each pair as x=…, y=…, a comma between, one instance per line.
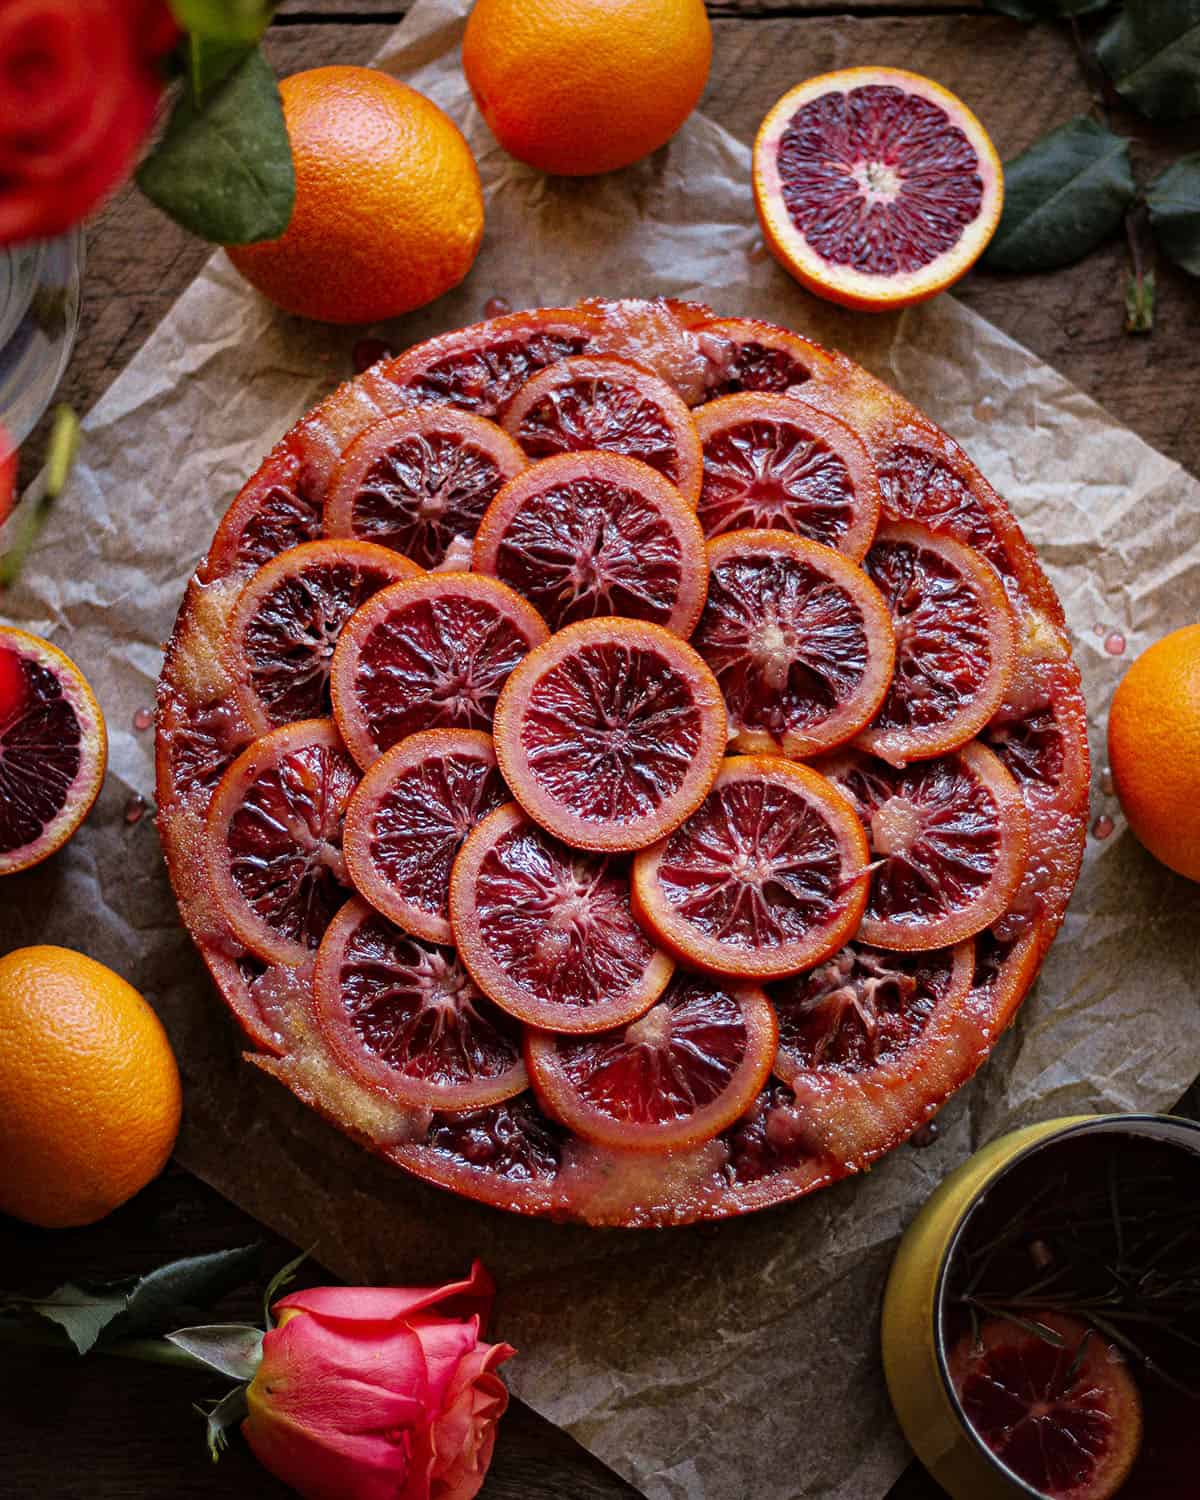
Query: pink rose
x=369, y=1393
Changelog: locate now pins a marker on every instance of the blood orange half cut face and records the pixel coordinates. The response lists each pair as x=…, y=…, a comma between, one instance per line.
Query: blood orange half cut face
x=589, y=534
x=799, y=640
x=419, y=480
x=746, y=355
x=948, y=841
x=601, y=403
x=548, y=932
x=408, y=819
x=610, y=733
x=432, y=653
x=404, y=1016
x=675, y=1077
x=281, y=634
x=955, y=642
x=767, y=877
x=772, y=461
x=273, y=840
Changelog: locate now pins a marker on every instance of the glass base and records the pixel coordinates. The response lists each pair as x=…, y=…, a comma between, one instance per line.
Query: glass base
x=39, y=315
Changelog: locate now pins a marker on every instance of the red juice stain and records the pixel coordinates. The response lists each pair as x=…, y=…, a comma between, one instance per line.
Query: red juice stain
x=368, y=352
x=925, y=1135
x=143, y=719
x=1102, y=827
x=1099, y=629
x=496, y=307
x=1114, y=643
x=135, y=809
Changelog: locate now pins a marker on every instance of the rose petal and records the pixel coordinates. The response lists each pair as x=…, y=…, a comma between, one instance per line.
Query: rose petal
x=376, y=1303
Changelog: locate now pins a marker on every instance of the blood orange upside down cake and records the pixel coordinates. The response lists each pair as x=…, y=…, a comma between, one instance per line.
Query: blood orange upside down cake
x=621, y=763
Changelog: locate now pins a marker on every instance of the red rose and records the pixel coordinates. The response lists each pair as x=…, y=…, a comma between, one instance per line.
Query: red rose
x=79, y=84
x=368, y=1393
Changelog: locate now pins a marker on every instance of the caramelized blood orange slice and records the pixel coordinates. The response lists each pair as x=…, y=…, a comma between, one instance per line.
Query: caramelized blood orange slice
x=273, y=840
x=271, y=513
x=949, y=842
x=419, y=479
x=432, y=653
x=746, y=355
x=196, y=744
x=799, y=640
x=1006, y=966
x=675, y=1077
x=404, y=1016
x=767, y=877
x=955, y=642
x=610, y=733
x=1061, y=1410
x=286, y=622
x=408, y=819
x=53, y=749
x=548, y=932
x=588, y=534
x=875, y=187
x=772, y=461
x=613, y=405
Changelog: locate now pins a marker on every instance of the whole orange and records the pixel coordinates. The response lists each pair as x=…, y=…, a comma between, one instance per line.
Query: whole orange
x=389, y=208
x=583, y=86
x=89, y=1089
x=1154, y=749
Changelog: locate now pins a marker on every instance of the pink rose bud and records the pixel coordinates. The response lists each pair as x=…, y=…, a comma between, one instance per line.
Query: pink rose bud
x=379, y=1393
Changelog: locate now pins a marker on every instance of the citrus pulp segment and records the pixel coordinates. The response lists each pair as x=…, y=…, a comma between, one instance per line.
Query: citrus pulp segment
x=587, y=534
x=610, y=733
x=432, y=653
x=270, y=513
x=746, y=355
x=199, y=741
x=548, y=932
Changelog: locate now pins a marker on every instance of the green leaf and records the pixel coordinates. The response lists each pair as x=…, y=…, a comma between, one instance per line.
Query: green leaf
x=283, y=1277
x=1139, y=302
x=1045, y=10
x=1151, y=51
x=156, y=1300
x=229, y=1412
x=1062, y=197
x=224, y=20
x=1173, y=199
x=224, y=170
x=211, y=62
x=83, y=1313
x=233, y=1349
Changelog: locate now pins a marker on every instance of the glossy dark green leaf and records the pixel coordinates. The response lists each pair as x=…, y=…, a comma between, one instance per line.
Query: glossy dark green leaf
x=1151, y=51
x=224, y=20
x=211, y=62
x=1173, y=199
x=224, y=170
x=1046, y=10
x=1062, y=197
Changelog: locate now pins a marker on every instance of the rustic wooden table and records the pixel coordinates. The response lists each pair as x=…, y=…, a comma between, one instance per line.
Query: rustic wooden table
x=102, y=1430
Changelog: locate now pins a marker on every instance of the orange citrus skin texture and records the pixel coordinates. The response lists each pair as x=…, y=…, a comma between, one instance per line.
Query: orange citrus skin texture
x=89, y=1090
x=389, y=207
x=577, y=87
x=1154, y=749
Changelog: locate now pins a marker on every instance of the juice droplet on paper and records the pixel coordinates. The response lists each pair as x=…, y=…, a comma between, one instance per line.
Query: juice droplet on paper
x=1102, y=827
x=984, y=409
x=143, y=719
x=496, y=307
x=368, y=352
x=1099, y=629
x=1106, y=782
x=925, y=1135
x=1114, y=643
x=135, y=809
x=758, y=252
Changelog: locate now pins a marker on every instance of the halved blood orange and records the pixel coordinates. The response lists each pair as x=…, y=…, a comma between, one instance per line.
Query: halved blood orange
x=773, y=461
x=587, y=534
x=404, y=1016
x=610, y=734
x=948, y=839
x=548, y=932
x=767, y=877
x=1060, y=1410
x=273, y=840
x=408, y=819
x=281, y=633
x=270, y=513
x=799, y=639
x=53, y=749
x=746, y=355
x=600, y=402
x=675, y=1077
x=419, y=479
x=432, y=653
x=875, y=187
x=956, y=639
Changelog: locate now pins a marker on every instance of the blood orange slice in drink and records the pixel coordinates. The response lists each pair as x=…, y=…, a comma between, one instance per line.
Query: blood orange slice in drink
x=404, y=1016
x=432, y=653
x=587, y=534
x=767, y=877
x=599, y=402
x=949, y=840
x=610, y=734
x=875, y=187
x=746, y=355
x=418, y=480
x=955, y=642
x=799, y=639
x=548, y=932
x=271, y=512
x=408, y=819
x=1059, y=1408
x=273, y=840
x=281, y=633
x=53, y=749
x=675, y=1077
x=772, y=461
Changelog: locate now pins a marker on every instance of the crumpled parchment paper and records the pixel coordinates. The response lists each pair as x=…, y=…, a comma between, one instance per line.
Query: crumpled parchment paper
x=703, y=1364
